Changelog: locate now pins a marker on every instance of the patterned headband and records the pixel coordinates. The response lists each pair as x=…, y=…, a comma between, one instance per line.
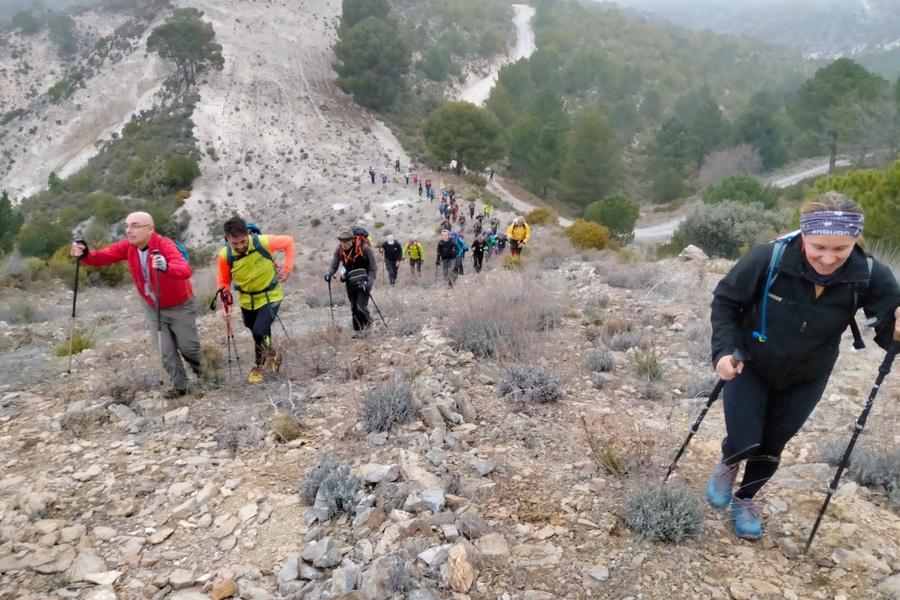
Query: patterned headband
x=832, y=222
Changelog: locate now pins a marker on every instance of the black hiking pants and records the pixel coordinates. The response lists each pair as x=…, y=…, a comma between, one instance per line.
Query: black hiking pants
x=449, y=274
x=259, y=322
x=476, y=262
x=391, y=268
x=359, y=307
x=759, y=422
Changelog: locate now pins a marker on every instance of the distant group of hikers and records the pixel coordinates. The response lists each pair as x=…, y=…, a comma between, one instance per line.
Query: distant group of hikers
x=777, y=316
x=161, y=273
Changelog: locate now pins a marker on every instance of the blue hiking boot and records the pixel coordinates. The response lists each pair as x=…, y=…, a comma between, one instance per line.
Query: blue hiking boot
x=718, y=490
x=746, y=519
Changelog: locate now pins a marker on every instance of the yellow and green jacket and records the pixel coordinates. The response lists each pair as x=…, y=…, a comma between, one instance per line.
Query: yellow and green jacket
x=415, y=251
x=253, y=272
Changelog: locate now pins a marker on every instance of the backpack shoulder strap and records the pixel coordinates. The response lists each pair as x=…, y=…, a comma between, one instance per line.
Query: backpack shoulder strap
x=257, y=247
x=777, y=251
x=263, y=251
x=860, y=289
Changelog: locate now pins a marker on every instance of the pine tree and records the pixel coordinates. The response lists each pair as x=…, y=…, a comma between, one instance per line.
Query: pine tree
x=593, y=166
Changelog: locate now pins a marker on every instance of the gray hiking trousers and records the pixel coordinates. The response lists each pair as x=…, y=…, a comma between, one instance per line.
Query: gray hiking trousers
x=179, y=335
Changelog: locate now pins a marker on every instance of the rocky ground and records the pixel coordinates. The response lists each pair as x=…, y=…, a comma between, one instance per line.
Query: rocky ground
x=120, y=494
x=116, y=493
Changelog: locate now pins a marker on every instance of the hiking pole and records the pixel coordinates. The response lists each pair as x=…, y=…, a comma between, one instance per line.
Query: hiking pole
x=220, y=293
x=72, y=324
x=737, y=358
x=883, y=370
x=379, y=311
x=278, y=318
x=228, y=306
x=331, y=303
x=158, y=323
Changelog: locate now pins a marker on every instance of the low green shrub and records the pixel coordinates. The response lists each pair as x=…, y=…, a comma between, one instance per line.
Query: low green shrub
x=722, y=229
x=543, y=215
x=586, y=234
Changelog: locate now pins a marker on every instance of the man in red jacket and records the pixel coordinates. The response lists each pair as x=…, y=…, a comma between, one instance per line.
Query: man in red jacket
x=175, y=295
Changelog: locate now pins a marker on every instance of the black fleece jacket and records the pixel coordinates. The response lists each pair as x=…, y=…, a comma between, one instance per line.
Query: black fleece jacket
x=446, y=250
x=803, y=332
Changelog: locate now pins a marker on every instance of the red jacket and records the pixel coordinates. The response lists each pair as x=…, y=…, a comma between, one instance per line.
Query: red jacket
x=174, y=283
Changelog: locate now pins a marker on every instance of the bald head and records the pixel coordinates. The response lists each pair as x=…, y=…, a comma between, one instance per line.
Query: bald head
x=139, y=228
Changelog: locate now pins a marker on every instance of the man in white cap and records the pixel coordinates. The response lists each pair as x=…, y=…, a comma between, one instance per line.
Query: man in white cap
x=518, y=233
x=393, y=255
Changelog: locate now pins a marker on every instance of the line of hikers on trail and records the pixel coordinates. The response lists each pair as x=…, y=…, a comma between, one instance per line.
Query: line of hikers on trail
x=777, y=319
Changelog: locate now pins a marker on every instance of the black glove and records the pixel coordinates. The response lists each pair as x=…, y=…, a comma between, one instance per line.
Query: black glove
x=365, y=286
x=328, y=277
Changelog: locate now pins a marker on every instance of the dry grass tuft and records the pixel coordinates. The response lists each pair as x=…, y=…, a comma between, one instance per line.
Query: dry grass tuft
x=286, y=427
x=80, y=342
x=648, y=365
x=617, y=454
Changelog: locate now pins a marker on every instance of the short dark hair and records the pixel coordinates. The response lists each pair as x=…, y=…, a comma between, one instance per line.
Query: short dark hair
x=236, y=226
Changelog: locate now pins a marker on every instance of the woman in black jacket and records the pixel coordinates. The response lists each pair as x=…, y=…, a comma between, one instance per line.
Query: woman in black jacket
x=789, y=329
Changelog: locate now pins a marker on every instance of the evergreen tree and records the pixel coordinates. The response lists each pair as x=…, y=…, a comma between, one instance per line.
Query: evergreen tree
x=709, y=129
x=371, y=62
x=465, y=133
x=759, y=128
x=523, y=137
x=824, y=99
x=546, y=158
x=10, y=222
x=593, y=166
x=187, y=41
x=354, y=12
x=616, y=212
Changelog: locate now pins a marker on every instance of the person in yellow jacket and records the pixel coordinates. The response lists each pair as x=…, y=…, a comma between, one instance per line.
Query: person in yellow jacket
x=416, y=255
x=518, y=233
x=247, y=262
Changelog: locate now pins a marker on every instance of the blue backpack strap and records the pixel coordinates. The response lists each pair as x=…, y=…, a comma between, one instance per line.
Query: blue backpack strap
x=257, y=247
x=780, y=243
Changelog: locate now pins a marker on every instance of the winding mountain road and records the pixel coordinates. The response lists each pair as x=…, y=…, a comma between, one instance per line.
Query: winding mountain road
x=664, y=231
x=478, y=92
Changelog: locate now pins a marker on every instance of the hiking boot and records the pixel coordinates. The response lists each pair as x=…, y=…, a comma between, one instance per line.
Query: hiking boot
x=256, y=375
x=746, y=519
x=174, y=393
x=274, y=362
x=718, y=490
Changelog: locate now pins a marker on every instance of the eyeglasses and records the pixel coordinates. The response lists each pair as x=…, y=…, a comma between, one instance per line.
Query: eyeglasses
x=135, y=226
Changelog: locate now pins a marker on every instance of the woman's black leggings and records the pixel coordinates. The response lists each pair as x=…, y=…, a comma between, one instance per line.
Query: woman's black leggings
x=760, y=421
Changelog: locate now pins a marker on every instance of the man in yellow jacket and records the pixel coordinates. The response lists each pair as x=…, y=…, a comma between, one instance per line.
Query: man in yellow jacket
x=416, y=254
x=518, y=233
x=247, y=262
